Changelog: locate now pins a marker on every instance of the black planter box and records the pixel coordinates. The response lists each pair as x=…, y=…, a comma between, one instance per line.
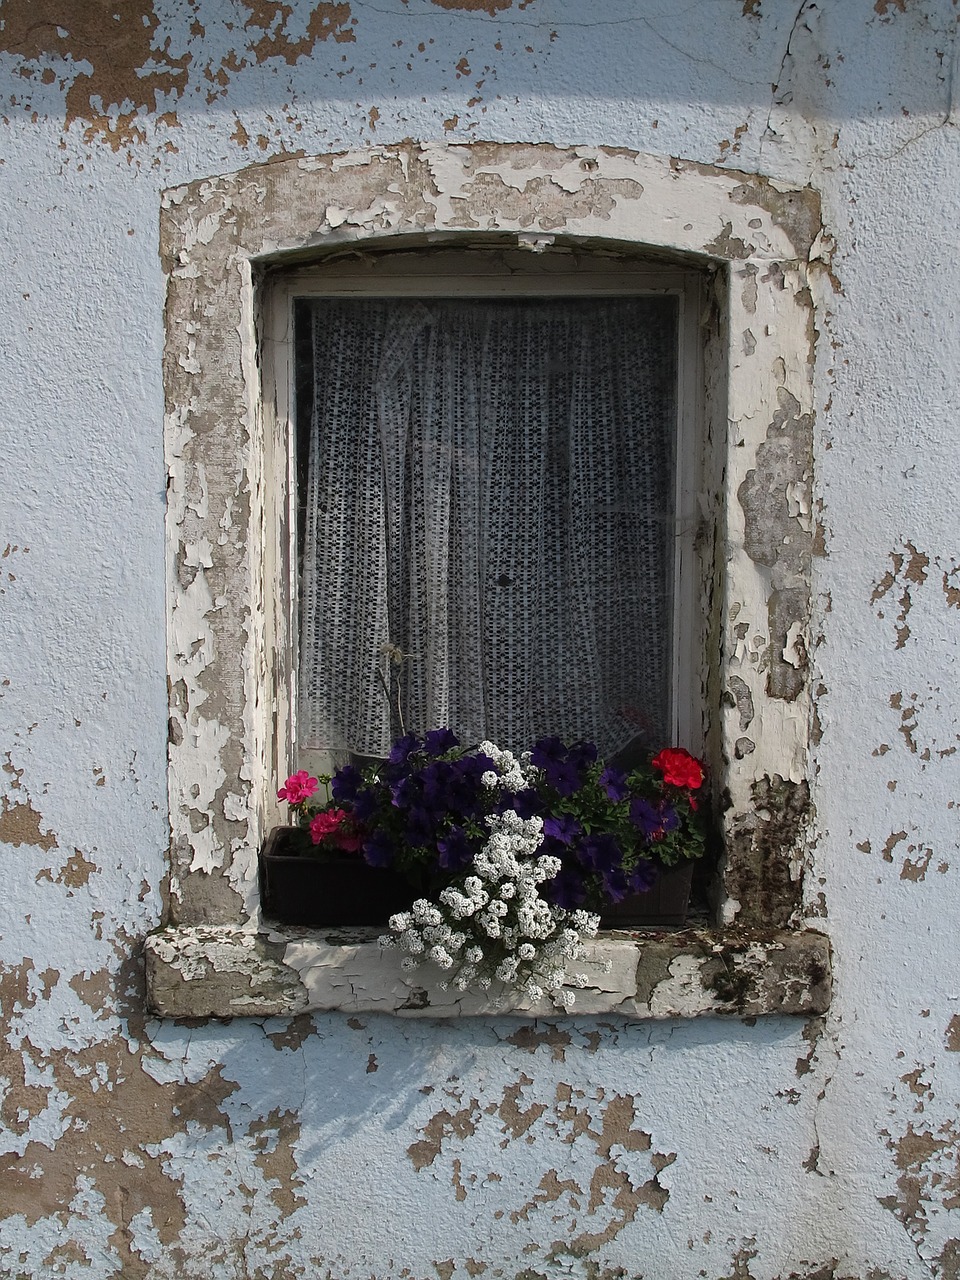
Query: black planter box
x=299, y=887
x=666, y=903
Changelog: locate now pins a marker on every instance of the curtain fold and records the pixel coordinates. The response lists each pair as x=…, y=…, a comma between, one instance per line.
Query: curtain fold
x=490, y=487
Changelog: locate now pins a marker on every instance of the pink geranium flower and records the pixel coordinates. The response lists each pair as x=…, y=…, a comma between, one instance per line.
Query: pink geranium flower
x=335, y=825
x=348, y=839
x=298, y=787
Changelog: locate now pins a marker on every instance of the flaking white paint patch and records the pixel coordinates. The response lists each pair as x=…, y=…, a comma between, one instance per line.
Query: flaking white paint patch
x=681, y=993
x=729, y=911
x=791, y=652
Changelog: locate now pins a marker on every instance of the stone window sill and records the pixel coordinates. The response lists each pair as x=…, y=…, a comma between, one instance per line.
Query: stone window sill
x=224, y=971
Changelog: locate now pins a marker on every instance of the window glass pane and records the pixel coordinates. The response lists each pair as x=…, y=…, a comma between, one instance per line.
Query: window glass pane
x=488, y=486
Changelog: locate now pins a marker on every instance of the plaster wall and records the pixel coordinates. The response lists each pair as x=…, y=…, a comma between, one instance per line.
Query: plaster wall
x=354, y=1146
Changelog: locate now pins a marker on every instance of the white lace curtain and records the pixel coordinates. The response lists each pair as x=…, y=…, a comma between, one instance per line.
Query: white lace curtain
x=489, y=487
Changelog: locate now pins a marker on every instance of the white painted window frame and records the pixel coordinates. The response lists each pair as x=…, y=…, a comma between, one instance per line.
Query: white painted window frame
x=221, y=237
x=505, y=271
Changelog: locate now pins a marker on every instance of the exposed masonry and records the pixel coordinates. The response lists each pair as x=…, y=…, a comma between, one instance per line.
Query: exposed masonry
x=758, y=873
x=218, y=236
x=19, y=821
x=207, y=971
x=926, y=1157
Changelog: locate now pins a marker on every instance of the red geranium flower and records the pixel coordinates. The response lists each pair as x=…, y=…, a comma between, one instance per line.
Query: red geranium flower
x=679, y=768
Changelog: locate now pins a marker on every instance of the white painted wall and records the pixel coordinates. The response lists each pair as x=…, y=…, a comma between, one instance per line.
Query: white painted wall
x=363, y=1147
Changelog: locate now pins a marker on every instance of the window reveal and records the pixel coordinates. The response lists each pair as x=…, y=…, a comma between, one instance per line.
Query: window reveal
x=489, y=485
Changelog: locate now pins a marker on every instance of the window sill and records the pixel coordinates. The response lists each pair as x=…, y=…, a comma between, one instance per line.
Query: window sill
x=223, y=971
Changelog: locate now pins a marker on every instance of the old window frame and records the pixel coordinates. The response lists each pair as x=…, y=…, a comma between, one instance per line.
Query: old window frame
x=497, y=269
x=218, y=237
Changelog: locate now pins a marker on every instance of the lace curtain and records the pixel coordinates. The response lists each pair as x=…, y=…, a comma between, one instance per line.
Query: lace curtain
x=488, y=486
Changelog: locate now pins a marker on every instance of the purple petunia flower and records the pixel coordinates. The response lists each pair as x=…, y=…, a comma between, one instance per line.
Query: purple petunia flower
x=563, y=767
x=615, y=884
x=455, y=850
x=614, y=783
x=419, y=828
x=563, y=828
x=555, y=848
x=643, y=876
x=548, y=751
x=365, y=804
x=600, y=852
x=406, y=793
x=403, y=748
x=564, y=778
x=526, y=803
x=437, y=741
x=466, y=794
x=582, y=754
x=346, y=783
x=646, y=817
x=378, y=849
x=566, y=889
x=436, y=779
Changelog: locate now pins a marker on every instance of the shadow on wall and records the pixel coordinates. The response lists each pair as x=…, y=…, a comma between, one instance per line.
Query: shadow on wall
x=367, y=1068
x=557, y=1134
x=117, y=77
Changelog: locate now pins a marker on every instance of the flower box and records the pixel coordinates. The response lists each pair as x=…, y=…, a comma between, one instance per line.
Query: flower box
x=513, y=855
x=300, y=887
x=665, y=904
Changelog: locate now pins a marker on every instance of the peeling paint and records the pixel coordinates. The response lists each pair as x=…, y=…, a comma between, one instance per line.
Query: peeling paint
x=75, y=872
x=443, y=191
x=229, y=971
x=775, y=498
x=913, y=568
x=491, y=7
x=103, y=1085
x=133, y=66
x=713, y=1109
x=20, y=825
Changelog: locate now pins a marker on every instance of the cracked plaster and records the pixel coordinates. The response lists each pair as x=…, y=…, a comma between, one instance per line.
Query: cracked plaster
x=281, y=1146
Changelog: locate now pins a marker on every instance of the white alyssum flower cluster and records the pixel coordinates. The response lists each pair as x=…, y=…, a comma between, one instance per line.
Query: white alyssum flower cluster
x=493, y=926
x=513, y=772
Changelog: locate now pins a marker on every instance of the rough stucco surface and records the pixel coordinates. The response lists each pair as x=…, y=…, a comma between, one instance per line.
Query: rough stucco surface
x=357, y=1145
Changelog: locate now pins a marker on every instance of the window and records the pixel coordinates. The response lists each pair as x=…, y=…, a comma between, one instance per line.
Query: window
x=494, y=468
x=739, y=652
